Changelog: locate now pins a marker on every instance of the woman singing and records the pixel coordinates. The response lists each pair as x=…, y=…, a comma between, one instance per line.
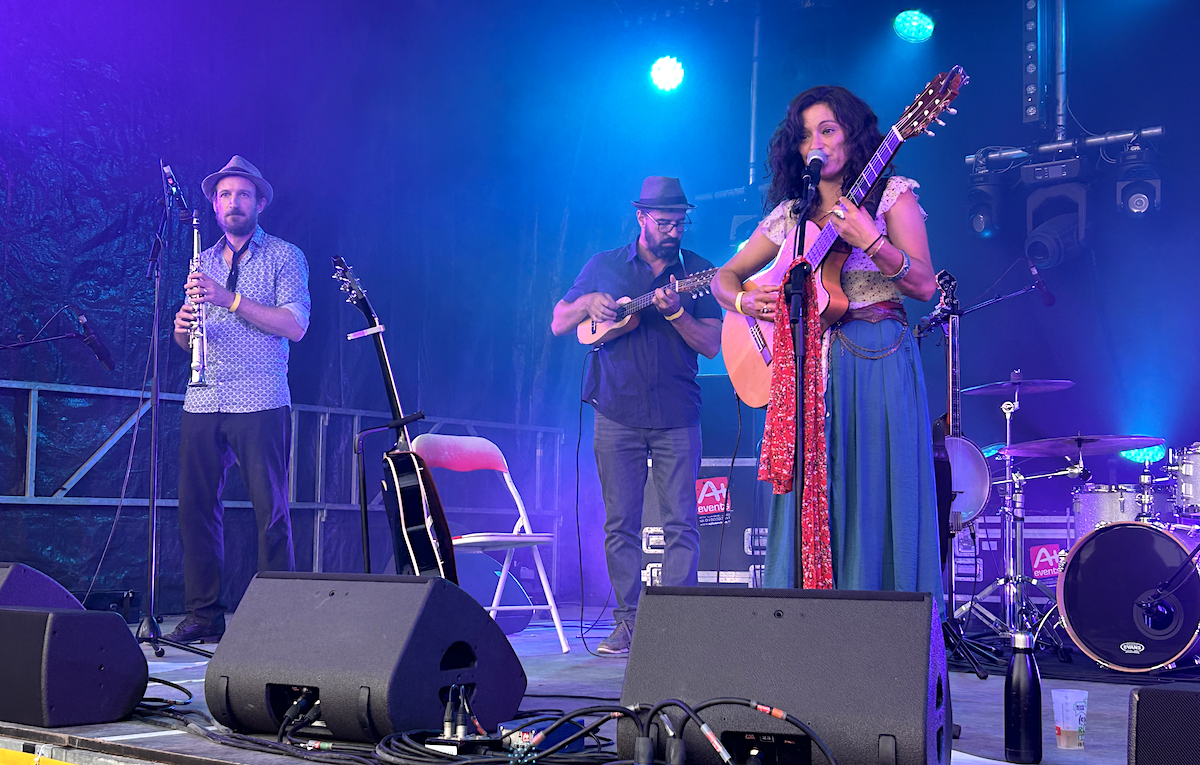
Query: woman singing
x=869, y=514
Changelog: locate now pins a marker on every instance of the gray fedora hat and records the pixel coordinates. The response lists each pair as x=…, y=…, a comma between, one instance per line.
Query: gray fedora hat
x=662, y=193
x=239, y=166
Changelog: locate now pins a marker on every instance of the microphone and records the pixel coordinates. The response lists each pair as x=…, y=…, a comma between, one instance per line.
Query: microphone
x=815, y=160
x=171, y=186
x=1048, y=298
x=92, y=340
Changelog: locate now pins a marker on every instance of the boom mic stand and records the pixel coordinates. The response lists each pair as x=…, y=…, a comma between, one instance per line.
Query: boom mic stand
x=148, y=630
x=794, y=292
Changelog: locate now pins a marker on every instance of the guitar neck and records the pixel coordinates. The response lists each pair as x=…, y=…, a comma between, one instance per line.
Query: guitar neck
x=684, y=286
x=389, y=384
x=858, y=192
x=954, y=407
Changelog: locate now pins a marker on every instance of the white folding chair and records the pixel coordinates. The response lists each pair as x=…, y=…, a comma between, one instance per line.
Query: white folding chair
x=468, y=453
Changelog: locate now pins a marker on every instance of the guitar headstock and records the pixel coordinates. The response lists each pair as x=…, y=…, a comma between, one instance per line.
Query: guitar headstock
x=355, y=294
x=931, y=102
x=948, y=285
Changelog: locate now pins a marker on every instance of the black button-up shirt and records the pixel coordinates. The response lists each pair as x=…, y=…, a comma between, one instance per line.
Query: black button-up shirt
x=645, y=378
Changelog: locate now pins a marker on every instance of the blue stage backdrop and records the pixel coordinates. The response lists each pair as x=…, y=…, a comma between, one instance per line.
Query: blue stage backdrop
x=468, y=158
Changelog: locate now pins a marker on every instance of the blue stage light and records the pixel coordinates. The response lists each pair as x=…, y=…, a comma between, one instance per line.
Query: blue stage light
x=913, y=26
x=667, y=73
x=1149, y=454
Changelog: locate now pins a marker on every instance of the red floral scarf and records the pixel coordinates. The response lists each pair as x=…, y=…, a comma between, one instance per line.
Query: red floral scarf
x=779, y=446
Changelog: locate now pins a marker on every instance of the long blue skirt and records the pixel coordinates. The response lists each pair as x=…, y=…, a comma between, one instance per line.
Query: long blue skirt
x=883, y=523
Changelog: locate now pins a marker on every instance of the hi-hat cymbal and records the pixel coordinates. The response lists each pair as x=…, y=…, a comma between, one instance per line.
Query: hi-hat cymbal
x=1073, y=446
x=1007, y=387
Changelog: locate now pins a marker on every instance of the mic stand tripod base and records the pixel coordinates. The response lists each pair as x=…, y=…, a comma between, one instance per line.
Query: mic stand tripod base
x=148, y=631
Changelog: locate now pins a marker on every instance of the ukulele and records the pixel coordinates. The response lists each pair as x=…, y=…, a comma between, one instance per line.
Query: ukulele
x=592, y=332
x=420, y=534
x=745, y=340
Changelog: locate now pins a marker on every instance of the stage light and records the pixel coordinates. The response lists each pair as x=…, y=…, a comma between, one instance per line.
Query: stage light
x=991, y=450
x=667, y=73
x=984, y=198
x=1139, y=190
x=913, y=26
x=1054, y=241
x=1056, y=222
x=1149, y=454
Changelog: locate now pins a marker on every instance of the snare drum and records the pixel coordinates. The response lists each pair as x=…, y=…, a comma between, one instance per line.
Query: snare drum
x=1185, y=475
x=1097, y=504
x=1114, y=569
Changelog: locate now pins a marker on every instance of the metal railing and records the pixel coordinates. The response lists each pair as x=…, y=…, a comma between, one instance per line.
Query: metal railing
x=548, y=444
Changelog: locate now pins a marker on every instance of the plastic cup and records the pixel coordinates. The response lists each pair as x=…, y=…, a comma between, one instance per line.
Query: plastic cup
x=1070, y=717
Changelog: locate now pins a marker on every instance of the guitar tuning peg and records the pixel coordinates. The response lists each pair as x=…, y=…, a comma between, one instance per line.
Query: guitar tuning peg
x=951, y=110
x=943, y=124
x=929, y=132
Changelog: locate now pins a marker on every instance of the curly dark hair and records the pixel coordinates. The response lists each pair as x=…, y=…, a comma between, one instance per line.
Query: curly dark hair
x=785, y=164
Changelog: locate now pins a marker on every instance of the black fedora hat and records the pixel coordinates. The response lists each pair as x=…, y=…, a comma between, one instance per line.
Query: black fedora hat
x=662, y=193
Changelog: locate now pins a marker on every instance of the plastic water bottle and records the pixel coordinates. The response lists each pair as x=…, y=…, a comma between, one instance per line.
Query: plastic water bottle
x=1022, y=703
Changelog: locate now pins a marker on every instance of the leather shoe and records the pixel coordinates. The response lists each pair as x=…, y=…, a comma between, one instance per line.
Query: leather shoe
x=192, y=630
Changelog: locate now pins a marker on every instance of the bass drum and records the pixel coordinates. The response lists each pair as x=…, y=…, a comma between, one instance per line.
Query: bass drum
x=1113, y=569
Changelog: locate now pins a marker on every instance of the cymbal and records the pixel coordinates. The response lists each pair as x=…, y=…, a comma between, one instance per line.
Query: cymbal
x=1023, y=386
x=1073, y=446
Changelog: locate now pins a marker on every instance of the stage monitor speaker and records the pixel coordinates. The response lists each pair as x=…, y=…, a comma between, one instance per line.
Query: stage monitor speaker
x=25, y=587
x=865, y=670
x=1162, y=725
x=63, y=666
x=380, y=652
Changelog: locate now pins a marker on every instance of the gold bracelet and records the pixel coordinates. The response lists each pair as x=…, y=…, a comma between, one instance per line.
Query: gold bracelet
x=676, y=315
x=237, y=300
x=737, y=303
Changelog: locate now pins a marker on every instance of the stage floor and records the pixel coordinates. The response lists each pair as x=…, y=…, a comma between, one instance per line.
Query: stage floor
x=558, y=681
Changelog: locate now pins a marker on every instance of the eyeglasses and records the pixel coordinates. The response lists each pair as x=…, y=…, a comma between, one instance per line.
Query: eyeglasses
x=666, y=225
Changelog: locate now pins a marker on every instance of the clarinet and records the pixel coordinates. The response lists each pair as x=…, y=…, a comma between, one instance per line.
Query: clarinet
x=197, y=334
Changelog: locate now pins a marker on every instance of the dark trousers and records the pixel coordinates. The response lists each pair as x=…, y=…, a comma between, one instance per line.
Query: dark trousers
x=209, y=443
x=621, y=453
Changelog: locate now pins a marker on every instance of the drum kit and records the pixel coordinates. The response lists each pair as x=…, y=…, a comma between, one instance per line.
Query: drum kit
x=1128, y=591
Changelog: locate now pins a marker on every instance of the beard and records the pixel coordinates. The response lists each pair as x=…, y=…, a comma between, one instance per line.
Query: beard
x=665, y=248
x=239, y=225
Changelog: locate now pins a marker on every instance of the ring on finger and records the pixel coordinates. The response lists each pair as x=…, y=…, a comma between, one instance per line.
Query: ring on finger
x=840, y=213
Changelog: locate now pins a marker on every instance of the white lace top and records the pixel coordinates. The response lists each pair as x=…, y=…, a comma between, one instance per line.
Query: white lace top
x=861, y=279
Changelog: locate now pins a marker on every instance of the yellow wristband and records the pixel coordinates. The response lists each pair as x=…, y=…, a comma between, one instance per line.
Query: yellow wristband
x=676, y=315
x=737, y=302
x=237, y=300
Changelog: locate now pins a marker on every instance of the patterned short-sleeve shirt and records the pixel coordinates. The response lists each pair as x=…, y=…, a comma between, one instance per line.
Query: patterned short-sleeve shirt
x=861, y=279
x=247, y=368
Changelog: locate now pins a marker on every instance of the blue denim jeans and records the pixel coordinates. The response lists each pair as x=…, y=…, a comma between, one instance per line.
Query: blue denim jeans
x=621, y=453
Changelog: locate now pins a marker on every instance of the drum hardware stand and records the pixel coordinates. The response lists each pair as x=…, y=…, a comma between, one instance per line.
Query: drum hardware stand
x=1021, y=614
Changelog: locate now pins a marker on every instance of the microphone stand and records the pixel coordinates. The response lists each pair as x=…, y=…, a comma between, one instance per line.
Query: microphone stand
x=794, y=292
x=148, y=630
